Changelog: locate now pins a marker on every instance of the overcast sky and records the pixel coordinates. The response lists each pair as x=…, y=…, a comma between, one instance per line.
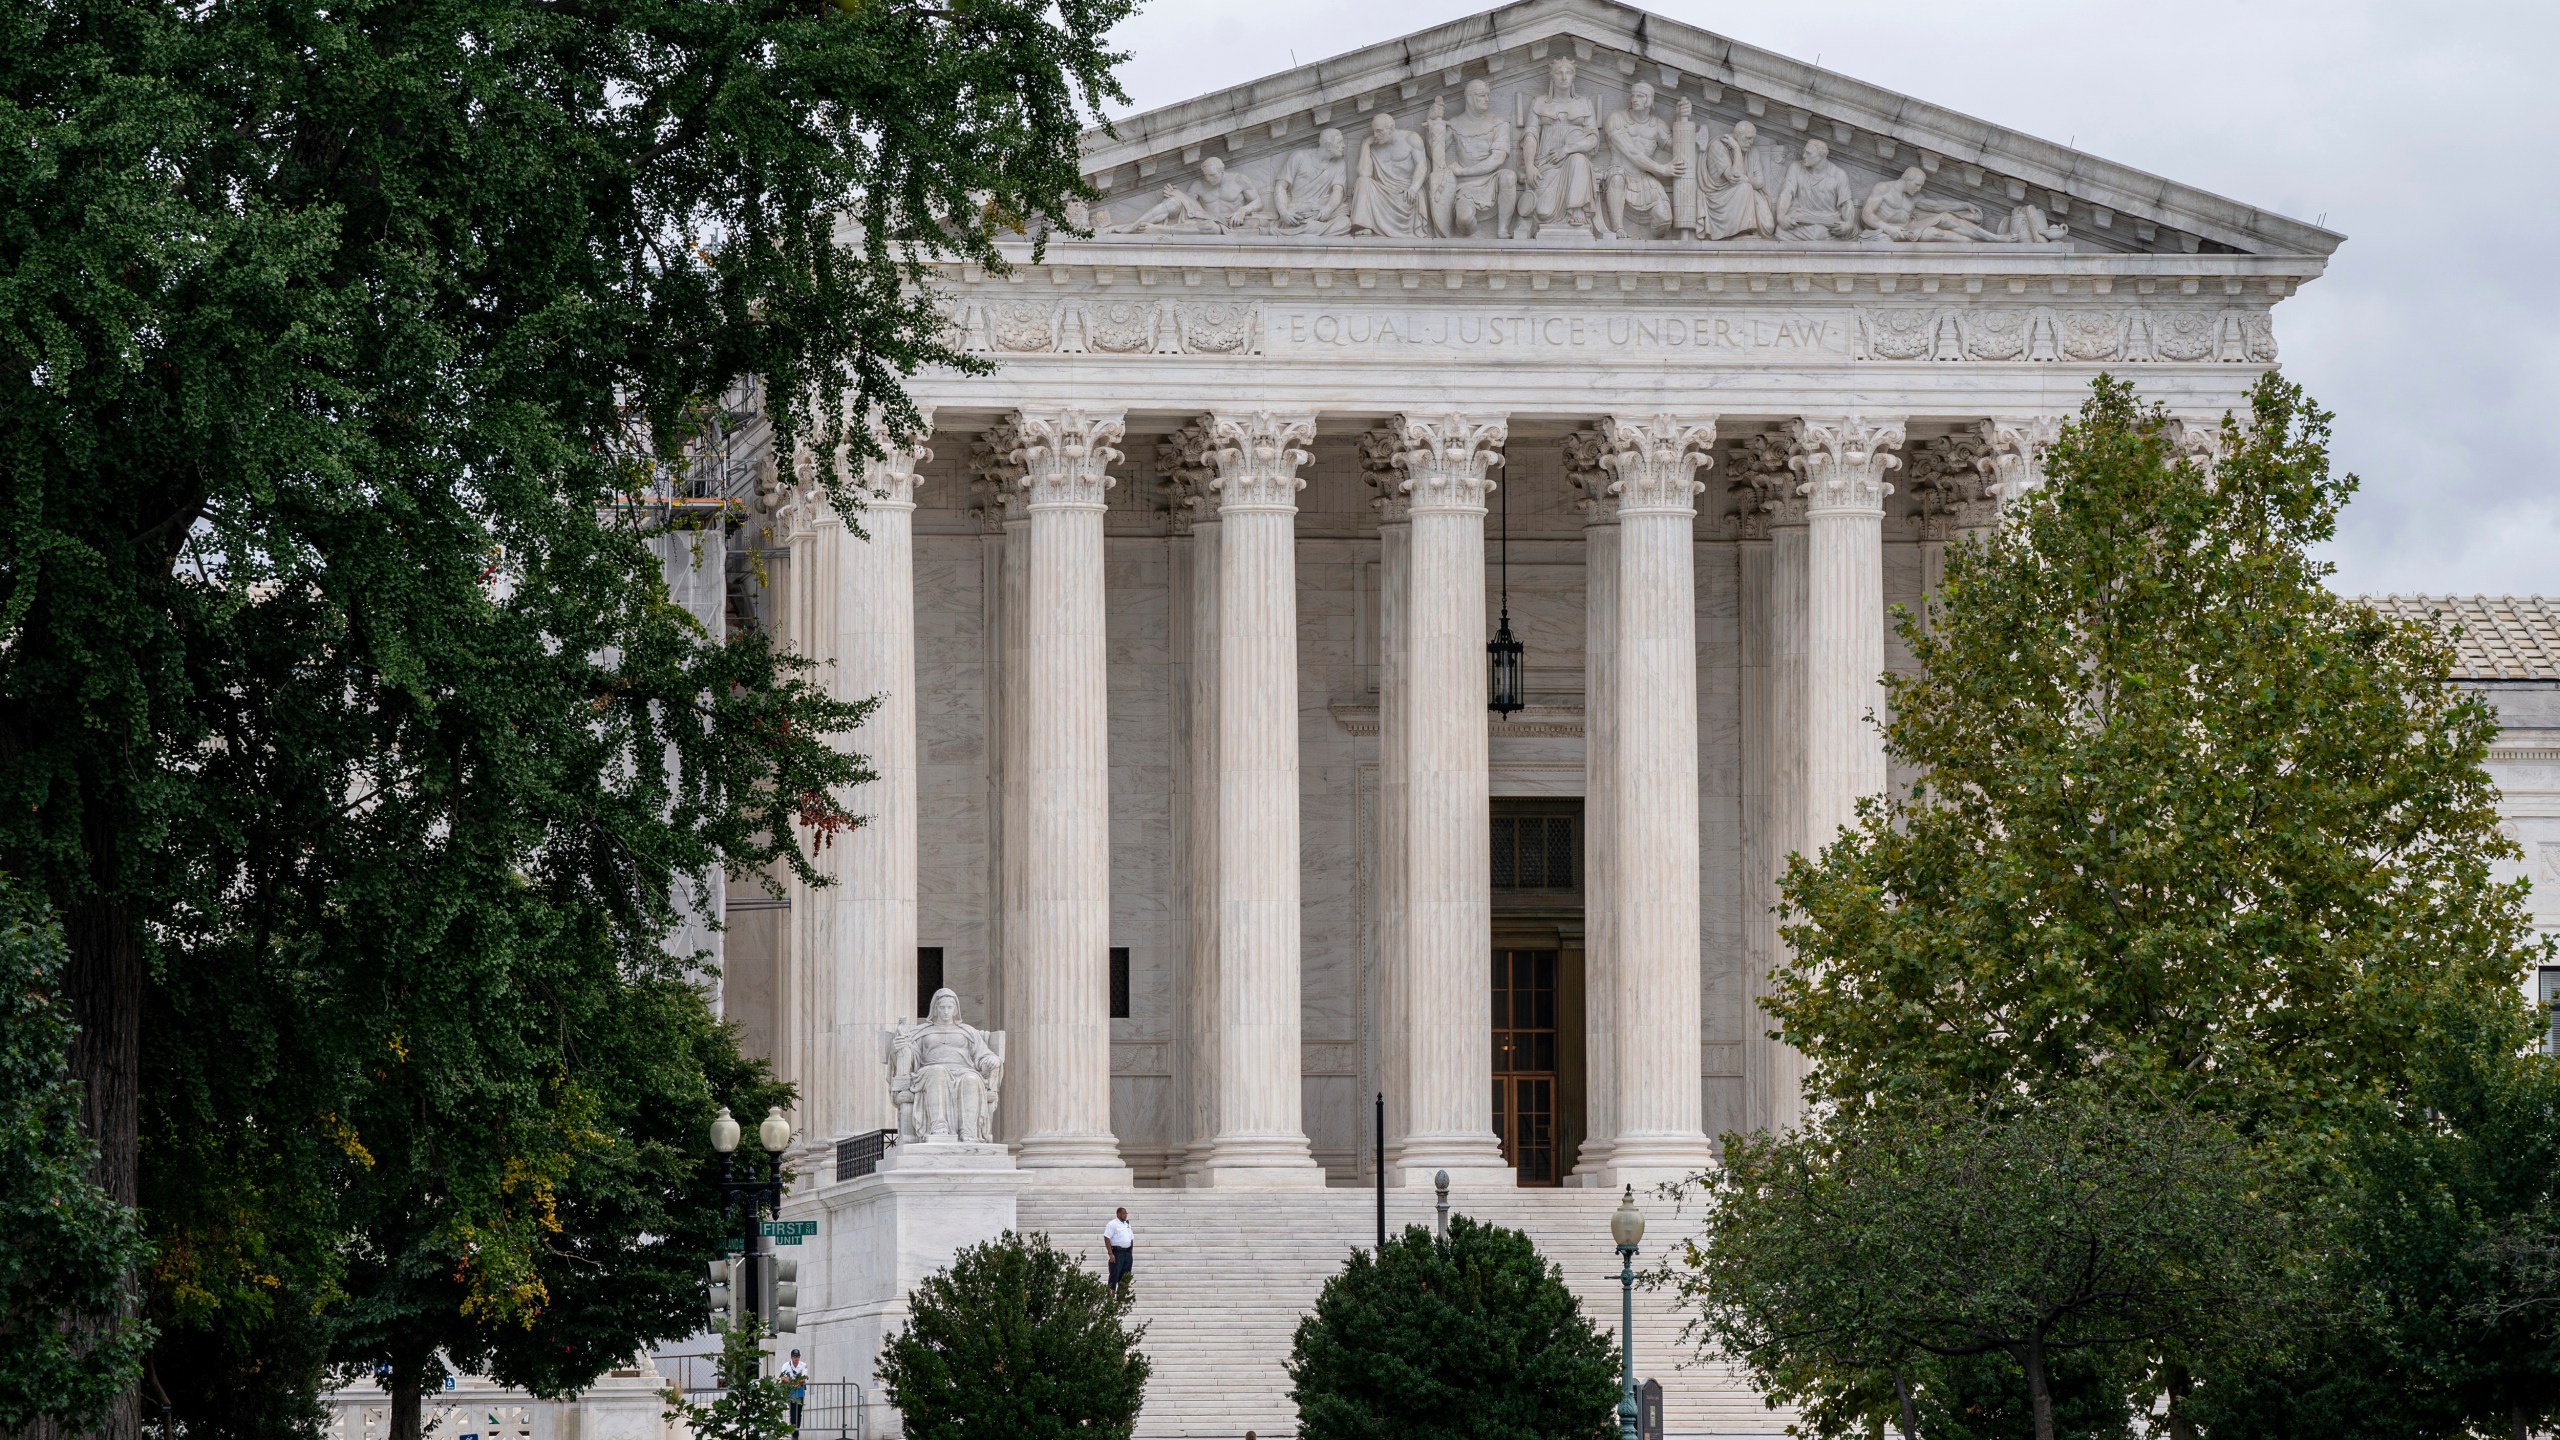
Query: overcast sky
x=2428, y=133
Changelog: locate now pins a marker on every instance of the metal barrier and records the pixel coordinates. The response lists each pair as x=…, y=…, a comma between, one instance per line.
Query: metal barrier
x=859, y=1155
x=836, y=1409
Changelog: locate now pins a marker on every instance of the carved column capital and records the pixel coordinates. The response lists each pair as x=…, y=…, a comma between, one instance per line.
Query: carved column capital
x=996, y=473
x=1585, y=469
x=1065, y=457
x=1182, y=458
x=1258, y=453
x=891, y=480
x=1382, y=466
x=2196, y=439
x=1655, y=459
x=804, y=508
x=1843, y=464
x=1762, y=485
x=2014, y=463
x=1949, y=490
x=1449, y=458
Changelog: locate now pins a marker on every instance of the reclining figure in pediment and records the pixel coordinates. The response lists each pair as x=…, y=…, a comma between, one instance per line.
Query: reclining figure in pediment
x=1221, y=203
x=1896, y=210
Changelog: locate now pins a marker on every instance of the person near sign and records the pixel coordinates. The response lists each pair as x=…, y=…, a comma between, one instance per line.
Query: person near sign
x=795, y=1378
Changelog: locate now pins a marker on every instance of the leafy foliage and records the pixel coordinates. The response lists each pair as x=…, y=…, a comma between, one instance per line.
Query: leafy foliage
x=2186, y=819
x=1471, y=1337
x=1839, y=1262
x=69, y=1341
x=1015, y=1340
x=751, y=1405
x=344, y=717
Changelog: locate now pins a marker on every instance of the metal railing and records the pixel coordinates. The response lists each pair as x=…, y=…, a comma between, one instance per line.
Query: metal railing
x=829, y=1409
x=859, y=1155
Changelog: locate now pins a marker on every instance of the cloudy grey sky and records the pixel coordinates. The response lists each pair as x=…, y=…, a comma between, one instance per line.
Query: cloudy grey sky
x=2428, y=134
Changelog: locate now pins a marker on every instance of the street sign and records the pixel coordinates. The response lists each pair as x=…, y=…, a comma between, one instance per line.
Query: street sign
x=786, y=1232
x=732, y=1245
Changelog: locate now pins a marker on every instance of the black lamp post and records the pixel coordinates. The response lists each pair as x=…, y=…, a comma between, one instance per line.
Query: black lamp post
x=1507, y=686
x=752, y=1195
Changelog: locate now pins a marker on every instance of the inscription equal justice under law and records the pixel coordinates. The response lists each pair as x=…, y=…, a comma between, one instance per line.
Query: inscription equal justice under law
x=1493, y=333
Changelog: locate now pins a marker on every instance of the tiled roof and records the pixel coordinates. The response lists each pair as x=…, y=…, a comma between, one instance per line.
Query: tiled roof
x=2500, y=637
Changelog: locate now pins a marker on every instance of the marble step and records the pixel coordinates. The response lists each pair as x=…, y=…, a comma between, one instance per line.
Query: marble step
x=1223, y=1279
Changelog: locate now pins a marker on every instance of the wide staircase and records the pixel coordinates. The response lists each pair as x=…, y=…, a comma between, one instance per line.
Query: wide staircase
x=1223, y=1278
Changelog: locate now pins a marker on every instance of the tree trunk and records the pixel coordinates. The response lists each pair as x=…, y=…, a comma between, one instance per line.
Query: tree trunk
x=2039, y=1386
x=2181, y=1384
x=2515, y=1416
x=408, y=1387
x=1910, y=1415
x=103, y=984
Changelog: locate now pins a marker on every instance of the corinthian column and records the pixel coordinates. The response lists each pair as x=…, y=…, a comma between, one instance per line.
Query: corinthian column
x=869, y=982
x=1448, y=462
x=1382, y=463
x=1584, y=454
x=1261, y=1139
x=1655, y=1086
x=2014, y=466
x=1182, y=458
x=1843, y=464
x=1060, y=1074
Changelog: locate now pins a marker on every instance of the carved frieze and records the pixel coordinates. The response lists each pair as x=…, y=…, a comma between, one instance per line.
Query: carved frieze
x=1107, y=327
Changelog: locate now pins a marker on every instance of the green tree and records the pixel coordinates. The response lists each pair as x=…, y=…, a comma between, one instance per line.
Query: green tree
x=751, y=1405
x=340, y=698
x=68, y=1339
x=1838, y=1260
x=1471, y=1337
x=2186, y=820
x=2442, y=1304
x=1015, y=1340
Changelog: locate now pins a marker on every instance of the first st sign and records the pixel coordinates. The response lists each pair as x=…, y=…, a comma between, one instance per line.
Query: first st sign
x=786, y=1232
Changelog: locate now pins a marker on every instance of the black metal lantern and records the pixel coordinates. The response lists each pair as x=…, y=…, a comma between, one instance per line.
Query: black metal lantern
x=1507, y=684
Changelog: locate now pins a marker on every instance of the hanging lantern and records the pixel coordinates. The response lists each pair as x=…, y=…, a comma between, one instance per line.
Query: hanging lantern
x=1502, y=664
x=1507, y=681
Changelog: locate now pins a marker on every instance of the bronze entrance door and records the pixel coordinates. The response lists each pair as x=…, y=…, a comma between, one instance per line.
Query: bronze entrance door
x=1524, y=1062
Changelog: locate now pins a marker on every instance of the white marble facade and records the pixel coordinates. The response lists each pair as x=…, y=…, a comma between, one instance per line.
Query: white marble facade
x=1202, y=574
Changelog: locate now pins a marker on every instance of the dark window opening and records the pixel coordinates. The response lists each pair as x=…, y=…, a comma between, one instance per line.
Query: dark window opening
x=928, y=977
x=1537, y=852
x=1119, y=982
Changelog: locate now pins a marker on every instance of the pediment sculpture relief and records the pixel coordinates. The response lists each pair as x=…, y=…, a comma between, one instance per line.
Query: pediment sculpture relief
x=1565, y=161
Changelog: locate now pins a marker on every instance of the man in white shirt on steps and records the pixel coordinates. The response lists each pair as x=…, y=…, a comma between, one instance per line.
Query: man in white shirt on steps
x=1122, y=1242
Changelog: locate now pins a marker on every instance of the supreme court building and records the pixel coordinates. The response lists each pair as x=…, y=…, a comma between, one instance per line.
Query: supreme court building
x=1683, y=360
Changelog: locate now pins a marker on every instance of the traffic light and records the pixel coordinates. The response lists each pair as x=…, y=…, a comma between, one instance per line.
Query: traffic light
x=728, y=1296
x=784, y=1311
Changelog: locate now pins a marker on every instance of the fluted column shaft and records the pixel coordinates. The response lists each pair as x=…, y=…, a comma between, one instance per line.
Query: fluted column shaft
x=870, y=980
x=1843, y=464
x=1784, y=1077
x=1448, y=462
x=1601, y=698
x=1062, y=1077
x=1261, y=1139
x=1395, y=690
x=1201, y=1016
x=1014, y=717
x=1659, y=994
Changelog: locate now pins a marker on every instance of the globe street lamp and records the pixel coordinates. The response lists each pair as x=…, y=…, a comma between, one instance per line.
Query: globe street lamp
x=1626, y=1226
x=754, y=1196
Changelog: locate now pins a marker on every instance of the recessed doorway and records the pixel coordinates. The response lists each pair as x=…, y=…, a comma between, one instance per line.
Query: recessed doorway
x=1535, y=986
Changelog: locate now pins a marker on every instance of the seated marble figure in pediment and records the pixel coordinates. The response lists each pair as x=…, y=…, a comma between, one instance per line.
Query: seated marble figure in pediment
x=1555, y=138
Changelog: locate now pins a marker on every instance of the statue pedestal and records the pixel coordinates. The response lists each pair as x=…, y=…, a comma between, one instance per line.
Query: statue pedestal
x=878, y=1237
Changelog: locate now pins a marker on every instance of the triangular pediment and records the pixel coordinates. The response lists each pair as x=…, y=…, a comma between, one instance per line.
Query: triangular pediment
x=2079, y=202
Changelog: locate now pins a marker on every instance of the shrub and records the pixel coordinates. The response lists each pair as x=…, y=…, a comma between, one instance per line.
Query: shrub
x=1469, y=1338
x=1015, y=1341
